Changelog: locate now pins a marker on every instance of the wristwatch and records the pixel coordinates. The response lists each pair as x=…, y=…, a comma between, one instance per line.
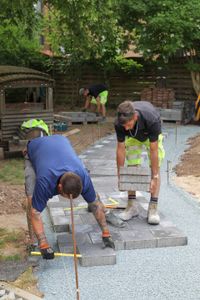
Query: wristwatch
x=155, y=176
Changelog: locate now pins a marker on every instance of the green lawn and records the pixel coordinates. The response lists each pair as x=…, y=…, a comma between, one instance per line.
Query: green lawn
x=12, y=171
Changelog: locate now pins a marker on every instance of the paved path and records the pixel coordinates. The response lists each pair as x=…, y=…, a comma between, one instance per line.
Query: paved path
x=155, y=273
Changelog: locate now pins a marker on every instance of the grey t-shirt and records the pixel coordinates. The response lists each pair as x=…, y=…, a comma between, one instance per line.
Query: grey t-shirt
x=148, y=125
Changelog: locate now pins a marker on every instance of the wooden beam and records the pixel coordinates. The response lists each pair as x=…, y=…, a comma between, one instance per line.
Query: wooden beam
x=73, y=131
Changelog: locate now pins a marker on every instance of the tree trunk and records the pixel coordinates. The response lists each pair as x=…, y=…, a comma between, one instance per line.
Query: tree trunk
x=196, y=81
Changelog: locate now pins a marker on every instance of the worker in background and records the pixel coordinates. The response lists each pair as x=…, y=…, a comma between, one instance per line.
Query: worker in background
x=95, y=96
x=138, y=125
x=52, y=167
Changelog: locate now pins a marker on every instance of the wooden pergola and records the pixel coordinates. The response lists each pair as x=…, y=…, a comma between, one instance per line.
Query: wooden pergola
x=12, y=116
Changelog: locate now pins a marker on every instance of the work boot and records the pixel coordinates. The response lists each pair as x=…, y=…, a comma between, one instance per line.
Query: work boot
x=153, y=216
x=114, y=220
x=130, y=212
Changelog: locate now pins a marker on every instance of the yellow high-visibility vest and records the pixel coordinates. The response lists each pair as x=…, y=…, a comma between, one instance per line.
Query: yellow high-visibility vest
x=35, y=123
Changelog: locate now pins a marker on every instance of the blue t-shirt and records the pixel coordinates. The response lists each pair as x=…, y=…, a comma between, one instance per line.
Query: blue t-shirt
x=51, y=157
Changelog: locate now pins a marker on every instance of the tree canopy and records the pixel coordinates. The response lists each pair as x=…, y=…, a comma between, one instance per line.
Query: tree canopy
x=100, y=31
x=19, y=36
x=164, y=28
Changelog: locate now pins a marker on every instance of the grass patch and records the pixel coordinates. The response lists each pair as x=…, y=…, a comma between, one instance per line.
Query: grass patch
x=12, y=246
x=12, y=171
x=15, y=257
x=26, y=279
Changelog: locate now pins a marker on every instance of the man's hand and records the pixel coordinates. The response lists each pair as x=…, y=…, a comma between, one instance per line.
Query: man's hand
x=47, y=253
x=108, y=242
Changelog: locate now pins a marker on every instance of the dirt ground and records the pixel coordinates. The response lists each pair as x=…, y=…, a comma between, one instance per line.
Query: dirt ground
x=188, y=170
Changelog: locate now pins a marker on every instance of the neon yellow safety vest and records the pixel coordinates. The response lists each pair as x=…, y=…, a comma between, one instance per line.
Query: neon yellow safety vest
x=35, y=123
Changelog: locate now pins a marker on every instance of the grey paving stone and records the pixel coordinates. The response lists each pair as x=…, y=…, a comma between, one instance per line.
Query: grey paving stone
x=88, y=219
x=118, y=241
x=61, y=223
x=95, y=255
x=86, y=228
x=169, y=237
x=96, y=237
x=135, y=178
x=137, y=239
x=56, y=211
x=66, y=238
x=102, y=171
x=133, y=170
x=125, y=186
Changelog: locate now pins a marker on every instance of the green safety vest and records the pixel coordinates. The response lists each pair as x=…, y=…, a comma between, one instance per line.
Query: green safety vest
x=35, y=123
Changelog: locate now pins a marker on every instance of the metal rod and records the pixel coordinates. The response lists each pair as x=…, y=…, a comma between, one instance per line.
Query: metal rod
x=176, y=132
x=35, y=253
x=168, y=170
x=74, y=244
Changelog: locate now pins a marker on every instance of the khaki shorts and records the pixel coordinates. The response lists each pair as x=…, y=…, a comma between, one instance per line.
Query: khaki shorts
x=30, y=177
x=103, y=98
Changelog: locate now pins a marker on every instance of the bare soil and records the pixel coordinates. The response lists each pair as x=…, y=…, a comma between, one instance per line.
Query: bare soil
x=188, y=170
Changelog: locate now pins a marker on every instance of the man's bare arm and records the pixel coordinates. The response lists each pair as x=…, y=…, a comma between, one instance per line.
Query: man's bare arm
x=38, y=227
x=98, y=210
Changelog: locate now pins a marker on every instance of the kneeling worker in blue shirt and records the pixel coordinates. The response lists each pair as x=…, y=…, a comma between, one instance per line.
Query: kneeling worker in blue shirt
x=52, y=167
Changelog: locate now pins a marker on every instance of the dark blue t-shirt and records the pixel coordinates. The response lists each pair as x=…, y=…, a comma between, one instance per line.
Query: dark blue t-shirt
x=51, y=157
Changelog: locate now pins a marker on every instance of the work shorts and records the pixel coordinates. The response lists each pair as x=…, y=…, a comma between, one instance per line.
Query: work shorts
x=134, y=149
x=103, y=98
x=30, y=177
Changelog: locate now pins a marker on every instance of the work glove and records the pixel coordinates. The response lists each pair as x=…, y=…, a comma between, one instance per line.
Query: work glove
x=107, y=240
x=47, y=252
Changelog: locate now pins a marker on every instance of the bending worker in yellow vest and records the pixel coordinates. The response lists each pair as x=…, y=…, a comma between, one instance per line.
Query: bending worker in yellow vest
x=95, y=95
x=138, y=125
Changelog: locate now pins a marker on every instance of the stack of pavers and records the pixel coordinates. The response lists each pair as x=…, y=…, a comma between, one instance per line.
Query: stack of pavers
x=188, y=109
x=81, y=117
x=137, y=233
x=134, y=178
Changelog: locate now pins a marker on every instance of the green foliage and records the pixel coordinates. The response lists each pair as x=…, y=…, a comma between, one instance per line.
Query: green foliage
x=127, y=65
x=193, y=66
x=83, y=31
x=163, y=27
x=19, y=36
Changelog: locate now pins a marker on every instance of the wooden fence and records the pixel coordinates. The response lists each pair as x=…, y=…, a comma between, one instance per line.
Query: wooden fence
x=123, y=86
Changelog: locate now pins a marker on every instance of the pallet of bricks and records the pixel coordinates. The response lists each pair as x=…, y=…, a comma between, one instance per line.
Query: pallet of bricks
x=159, y=97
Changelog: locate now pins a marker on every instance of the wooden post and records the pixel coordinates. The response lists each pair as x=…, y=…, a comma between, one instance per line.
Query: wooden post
x=49, y=98
x=2, y=101
x=74, y=244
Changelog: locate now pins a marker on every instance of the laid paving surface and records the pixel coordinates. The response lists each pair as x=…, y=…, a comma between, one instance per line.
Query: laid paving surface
x=137, y=233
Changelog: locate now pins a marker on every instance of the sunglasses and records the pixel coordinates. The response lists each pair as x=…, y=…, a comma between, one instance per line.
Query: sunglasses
x=121, y=114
